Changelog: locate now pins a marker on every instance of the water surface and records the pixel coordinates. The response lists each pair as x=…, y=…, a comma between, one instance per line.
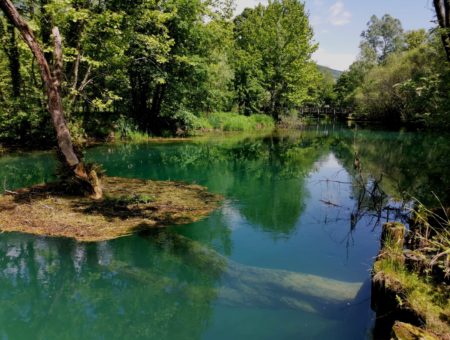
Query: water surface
x=293, y=203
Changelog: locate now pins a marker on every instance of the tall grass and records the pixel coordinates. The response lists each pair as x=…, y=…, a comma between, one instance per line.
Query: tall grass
x=229, y=121
x=432, y=235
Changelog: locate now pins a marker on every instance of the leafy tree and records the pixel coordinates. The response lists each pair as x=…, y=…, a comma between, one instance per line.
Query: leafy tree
x=323, y=92
x=347, y=84
x=409, y=87
x=382, y=37
x=415, y=38
x=273, y=51
x=51, y=77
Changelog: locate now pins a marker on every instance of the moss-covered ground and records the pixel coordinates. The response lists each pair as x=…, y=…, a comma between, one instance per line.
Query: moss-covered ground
x=129, y=205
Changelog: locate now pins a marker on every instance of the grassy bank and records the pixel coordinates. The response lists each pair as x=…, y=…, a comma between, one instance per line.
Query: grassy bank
x=229, y=121
x=204, y=124
x=411, y=277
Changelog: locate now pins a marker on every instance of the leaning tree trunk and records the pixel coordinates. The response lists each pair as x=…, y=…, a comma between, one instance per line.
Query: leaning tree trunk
x=442, y=8
x=52, y=83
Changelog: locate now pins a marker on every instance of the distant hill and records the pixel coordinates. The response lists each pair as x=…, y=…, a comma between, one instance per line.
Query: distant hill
x=336, y=74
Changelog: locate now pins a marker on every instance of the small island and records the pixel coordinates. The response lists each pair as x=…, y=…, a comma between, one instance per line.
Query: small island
x=128, y=205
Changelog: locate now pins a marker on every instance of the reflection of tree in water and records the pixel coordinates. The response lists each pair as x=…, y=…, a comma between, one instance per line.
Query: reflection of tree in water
x=265, y=175
x=272, y=189
x=162, y=287
x=18, y=171
x=53, y=287
x=411, y=164
x=388, y=169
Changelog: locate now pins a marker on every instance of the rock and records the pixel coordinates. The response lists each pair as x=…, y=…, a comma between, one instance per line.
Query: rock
x=406, y=331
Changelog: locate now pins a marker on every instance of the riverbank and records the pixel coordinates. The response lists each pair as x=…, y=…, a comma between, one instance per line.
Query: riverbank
x=203, y=126
x=410, y=284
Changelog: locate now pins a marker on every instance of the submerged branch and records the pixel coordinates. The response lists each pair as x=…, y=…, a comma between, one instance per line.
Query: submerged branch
x=254, y=286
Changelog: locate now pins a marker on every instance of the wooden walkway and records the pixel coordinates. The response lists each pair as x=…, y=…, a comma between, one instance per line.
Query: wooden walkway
x=321, y=111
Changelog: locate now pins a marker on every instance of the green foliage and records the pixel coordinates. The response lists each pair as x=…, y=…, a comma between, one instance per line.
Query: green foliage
x=398, y=78
x=228, y=121
x=347, y=84
x=167, y=67
x=415, y=39
x=382, y=37
x=274, y=71
x=409, y=87
x=163, y=66
x=324, y=91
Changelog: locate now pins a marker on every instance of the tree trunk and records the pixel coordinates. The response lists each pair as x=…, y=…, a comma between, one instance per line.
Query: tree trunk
x=442, y=8
x=46, y=32
x=52, y=83
x=153, y=121
x=12, y=50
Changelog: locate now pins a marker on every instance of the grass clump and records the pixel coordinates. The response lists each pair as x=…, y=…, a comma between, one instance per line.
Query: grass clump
x=430, y=237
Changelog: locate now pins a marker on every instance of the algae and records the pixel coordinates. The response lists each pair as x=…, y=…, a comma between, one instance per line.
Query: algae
x=129, y=205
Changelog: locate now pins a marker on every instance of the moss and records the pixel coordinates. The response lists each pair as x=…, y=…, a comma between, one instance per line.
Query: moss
x=404, y=331
x=129, y=205
x=414, y=292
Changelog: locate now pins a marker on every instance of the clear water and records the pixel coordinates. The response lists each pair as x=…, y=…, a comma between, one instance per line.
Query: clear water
x=292, y=204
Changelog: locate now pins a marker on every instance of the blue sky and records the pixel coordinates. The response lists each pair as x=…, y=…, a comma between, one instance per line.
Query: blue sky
x=338, y=23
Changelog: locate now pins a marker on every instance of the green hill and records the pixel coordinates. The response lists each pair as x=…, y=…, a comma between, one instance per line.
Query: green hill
x=324, y=69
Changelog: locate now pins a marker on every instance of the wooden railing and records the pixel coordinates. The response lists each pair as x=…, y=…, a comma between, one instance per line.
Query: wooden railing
x=325, y=110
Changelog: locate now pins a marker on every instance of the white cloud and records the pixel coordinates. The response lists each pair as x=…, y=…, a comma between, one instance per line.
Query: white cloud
x=339, y=16
x=337, y=61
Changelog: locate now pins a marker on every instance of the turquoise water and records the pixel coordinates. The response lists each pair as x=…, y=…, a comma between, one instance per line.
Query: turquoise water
x=294, y=204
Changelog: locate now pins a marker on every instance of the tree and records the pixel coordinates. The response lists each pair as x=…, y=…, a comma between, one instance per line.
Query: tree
x=52, y=82
x=349, y=81
x=273, y=57
x=11, y=50
x=442, y=8
x=415, y=38
x=382, y=37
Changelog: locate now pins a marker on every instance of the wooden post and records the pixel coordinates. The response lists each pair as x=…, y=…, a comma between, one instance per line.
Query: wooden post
x=393, y=234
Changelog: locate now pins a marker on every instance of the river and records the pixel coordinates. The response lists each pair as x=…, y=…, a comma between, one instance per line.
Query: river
x=295, y=203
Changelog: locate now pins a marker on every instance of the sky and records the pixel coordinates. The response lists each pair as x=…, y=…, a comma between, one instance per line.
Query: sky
x=338, y=24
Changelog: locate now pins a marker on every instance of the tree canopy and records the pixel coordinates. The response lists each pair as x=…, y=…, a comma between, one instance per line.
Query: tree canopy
x=156, y=66
x=399, y=77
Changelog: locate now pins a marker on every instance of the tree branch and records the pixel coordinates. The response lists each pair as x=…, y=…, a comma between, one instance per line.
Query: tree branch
x=58, y=58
